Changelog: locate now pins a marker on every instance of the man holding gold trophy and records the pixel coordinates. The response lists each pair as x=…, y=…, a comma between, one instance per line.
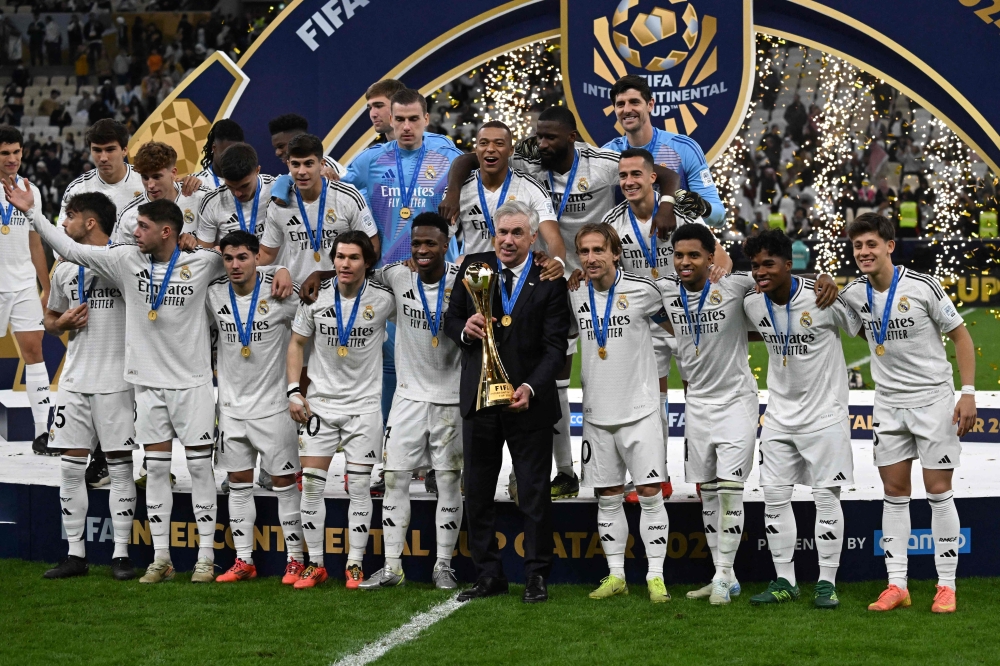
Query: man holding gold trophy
x=512, y=328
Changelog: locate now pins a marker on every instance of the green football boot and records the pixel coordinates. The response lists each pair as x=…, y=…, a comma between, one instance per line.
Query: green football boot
x=777, y=592
x=611, y=586
x=825, y=595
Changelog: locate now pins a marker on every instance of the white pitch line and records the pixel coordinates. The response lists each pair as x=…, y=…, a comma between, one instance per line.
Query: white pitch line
x=403, y=634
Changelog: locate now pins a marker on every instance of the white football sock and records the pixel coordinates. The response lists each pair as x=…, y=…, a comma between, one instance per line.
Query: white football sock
x=73, y=496
x=829, y=531
x=314, y=512
x=896, y=538
x=665, y=429
x=946, y=531
x=396, y=517
x=291, y=522
x=203, y=496
x=613, y=528
x=779, y=524
x=121, y=500
x=242, y=516
x=710, y=507
x=730, y=525
x=36, y=385
x=449, y=514
x=562, y=448
x=159, y=501
x=654, y=526
x=359, y=512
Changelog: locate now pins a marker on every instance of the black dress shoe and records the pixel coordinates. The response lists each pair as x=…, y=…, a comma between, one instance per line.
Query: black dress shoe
x=486, y=586
x=535, y=590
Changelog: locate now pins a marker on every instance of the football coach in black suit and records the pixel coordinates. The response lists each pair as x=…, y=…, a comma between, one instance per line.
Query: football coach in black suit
x=533, y=350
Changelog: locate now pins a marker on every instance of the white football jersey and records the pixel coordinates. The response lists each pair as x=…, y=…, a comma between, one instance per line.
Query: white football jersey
x=17, y=273
x=914, y=371
x=810, y=393
x=633, y=258
x=209, y=179
x=423, y=373
x=346, y=210
x=719, y=373
x=351, y=384
x=252, y=387
x=472, y=223
x=121, y=193
x=592, y=192
x=623, y=387
x=217, y=215
x=95, y=355
x=128, y=216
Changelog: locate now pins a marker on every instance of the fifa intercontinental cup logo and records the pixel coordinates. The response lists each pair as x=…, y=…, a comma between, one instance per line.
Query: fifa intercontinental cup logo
x=494, y=386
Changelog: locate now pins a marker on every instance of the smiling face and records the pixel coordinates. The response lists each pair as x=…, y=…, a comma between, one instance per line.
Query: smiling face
x=596, y=257
x=493, y=148
x=632, y=110
x=10, y=159
x=636, y=178
x=691, y=261
x=871, y=252
x=306, y=171
x=428, y=247
x=769, y=271
x=513, y=239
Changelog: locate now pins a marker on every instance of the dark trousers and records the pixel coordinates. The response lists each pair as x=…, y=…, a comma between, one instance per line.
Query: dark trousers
x=531, y=451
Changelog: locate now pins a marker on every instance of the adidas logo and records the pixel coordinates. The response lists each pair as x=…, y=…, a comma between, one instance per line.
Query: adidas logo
x=294, y=222
x=143, y=274
x=944, y=461
x=840, y=477
x=291, y=536
x=865, y=309
x=738, y=472
x=764, y=322
x=888, y=554
x=829, y=536
x=287, y=466
x=237, y=533
x=676, y=303
x=949, y=553
x=360, y=529
x=44, y=401
x=204, y=437
x=329, y=312
x=661, y=541
x=387, y=522
x=388, y=175
x=450, y=525
x=370, y=454
x=410, y=295
x=771, y=529
x=653, y=475
x=607, y=537
x=709, y=529
x=155, y=519
x=225, y=310
x=735, y=529
x=127, y=512
x=626, y=240
x=308, y=526
x=585, y=308
x=476, y=210
x=206, y=519
x=67, y=512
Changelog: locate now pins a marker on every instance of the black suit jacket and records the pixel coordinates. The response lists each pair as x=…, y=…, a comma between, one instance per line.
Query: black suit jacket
x=532, y=348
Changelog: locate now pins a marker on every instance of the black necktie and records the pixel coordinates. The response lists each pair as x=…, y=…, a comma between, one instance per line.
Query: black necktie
x=508, y=280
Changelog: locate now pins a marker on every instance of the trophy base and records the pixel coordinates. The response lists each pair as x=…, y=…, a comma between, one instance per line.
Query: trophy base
x=494, y=395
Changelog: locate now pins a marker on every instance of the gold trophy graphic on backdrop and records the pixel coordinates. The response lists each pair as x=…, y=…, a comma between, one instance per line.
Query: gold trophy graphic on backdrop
x=494, y=386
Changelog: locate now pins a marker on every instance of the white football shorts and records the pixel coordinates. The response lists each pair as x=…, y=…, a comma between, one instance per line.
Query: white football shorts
x=719, y=439
x=821, y=459
x=925, y=432
x=274, y=437
x=22, y=310
x=187, y=414
x=81, y=420
x=608, y=452
x=417, y=428
x=359, y=436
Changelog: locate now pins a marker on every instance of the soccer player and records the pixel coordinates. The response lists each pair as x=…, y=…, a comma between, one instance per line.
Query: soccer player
x=23, y=259
x=377, y=99
x=254, y=330
x=95, y=402
x=905, y=314
x=285, y=128
x=167, y=359
x=805, y=437
x=113, y=177
x=425, y=420
x=346, y=325
x=223, y=134
x=241, y=205
x=156, y=164
x=634, y=107
x=621, y=427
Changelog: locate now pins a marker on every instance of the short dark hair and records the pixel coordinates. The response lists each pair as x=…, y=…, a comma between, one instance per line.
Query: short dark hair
x=384, y=88
x=558, y=114
x=430, y=219
x=165, y=212
x=305, y=145
x=100, y=205
x=631, y=82
x=874, y=223
x=288, y=122
x=361, y=239
x=9, y=134
x=496, y=124
x=697, y=232
x=772, y=241
x=238, y=162
x=106, y=131
x=240, y=238
x=647, y=157
x=408, y=96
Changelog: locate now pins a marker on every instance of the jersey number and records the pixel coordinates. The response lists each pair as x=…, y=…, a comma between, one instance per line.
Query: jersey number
x=60, y=419
x=312, y=426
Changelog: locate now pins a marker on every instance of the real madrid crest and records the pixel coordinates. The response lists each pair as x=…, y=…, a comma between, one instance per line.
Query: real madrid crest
x=582, y=185
x=185, y=273
x=511, y=197
x=331, y=216
x=447, y=294
x=805, y=320
x=136, y=193
x=188, y=215
x=904, y=304
x=622, y=303
x=263, y=307
x=715, y=297
x=369, y=313
x=430, y=173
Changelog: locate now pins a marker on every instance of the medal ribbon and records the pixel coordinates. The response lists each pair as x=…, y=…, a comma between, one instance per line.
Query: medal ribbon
x=652, y=145
x=7, y=213
x=569, y=184
x=648, y=251
x=85, y=294
x=343, y=336
x=315, y=240
x=253, y=215
x=508, y=302
x=788, y=313
x=701, y=304
x=211, y=172
x=407, y=192
x=158, y=300
x=880, y=333
x=435, y=321
x=245, y=334
x=601, y=329
x=482, y=199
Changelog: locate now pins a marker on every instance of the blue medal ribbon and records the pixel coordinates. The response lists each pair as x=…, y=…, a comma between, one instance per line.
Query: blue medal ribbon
x=433, y=321
x=482, y=199
x=880, y=334
x=245, y=334
x=253, y=214
x=569, y=184
x=7, y=213
x=344, y=334
x=84, y=293
x=211, y=172
x=407, y=192
x=509, y=301
x=701, y=304
x=315, y=238
x=158, y=299
x=774, y=322
x=601, y=328
x=648, y=251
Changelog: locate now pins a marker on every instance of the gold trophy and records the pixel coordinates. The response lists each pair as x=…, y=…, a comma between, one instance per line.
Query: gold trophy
x=494, y=386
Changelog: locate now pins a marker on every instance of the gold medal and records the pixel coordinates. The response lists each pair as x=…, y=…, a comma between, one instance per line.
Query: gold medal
x=879, y=350
x=697, y=352
x=506, y=320
x=602, y=352
x=245, y=352
x=316, y=256
x=656, y=273
x=434, y=341
x=341, y=351
x=152, y=315
x=405, y=212
x=784, y=360
x=5, y=229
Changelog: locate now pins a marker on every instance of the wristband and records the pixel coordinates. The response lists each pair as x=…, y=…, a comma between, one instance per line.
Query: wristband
x=559, y=259
x=293, y=388
x=297, y=399
x=968, y=389
x=666, y=198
